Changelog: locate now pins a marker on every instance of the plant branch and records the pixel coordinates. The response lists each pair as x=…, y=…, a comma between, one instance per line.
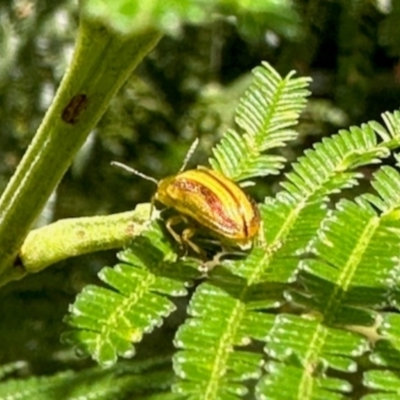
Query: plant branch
x=76, y=236
x=102, y=62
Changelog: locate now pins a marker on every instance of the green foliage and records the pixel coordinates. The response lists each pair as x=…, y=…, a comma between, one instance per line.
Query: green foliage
x=108, y=321
x=129, y=16
x=324, y=275
x=143, y=379
x=8, y=369
x=265, y=113
x=293, y=320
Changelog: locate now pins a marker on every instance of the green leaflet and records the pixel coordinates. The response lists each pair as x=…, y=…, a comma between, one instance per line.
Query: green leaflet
x=265, y=113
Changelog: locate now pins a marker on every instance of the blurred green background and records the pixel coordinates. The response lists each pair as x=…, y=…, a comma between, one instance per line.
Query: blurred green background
x=187, y=87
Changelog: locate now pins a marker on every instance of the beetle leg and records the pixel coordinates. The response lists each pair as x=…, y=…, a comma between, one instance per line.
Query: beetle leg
x=174, y=220
x=186, y=235
x=184, y=238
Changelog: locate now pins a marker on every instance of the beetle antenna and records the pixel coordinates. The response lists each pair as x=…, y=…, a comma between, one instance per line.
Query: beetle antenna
x=189, y=154
x=134, y=171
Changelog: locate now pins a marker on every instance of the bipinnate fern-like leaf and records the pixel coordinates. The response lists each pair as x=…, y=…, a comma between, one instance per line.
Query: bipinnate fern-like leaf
x=292, y=218
x=108, y=320
x=214, y=362
x=318, y=342
x=339, y=279
x=335, y=267
x=353, y=274
x=264, y=115
x=331, y=165
x=385, y=380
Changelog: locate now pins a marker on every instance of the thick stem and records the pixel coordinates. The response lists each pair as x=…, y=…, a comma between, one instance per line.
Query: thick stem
x=76, y=236
x=102, y=62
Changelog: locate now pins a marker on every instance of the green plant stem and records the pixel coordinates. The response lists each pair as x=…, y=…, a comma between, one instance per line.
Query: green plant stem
x=71, y=237
x=76, y=236
x=102, y=62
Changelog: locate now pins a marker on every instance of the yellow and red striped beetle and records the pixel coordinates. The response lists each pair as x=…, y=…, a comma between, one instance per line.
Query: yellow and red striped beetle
x=209, y=199
x=214, y=202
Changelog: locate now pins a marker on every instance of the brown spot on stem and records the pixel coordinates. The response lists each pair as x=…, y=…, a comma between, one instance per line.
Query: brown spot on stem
x=74, y=109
